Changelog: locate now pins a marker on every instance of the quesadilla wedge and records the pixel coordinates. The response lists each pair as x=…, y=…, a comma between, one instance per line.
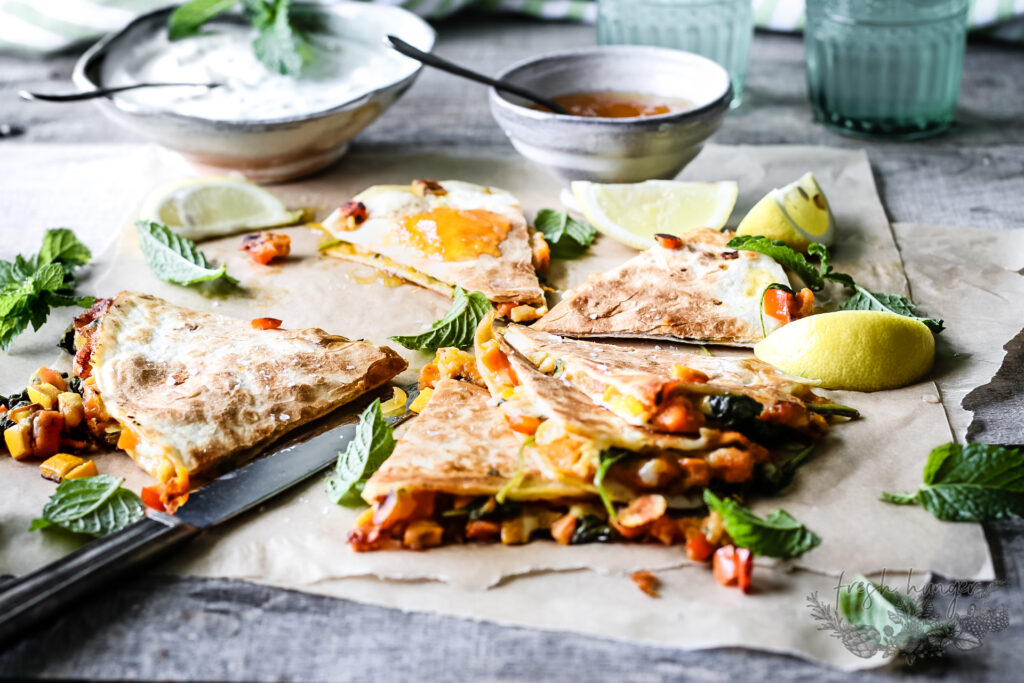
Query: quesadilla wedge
x=462, y=473
x=187, y=393
x=670, y=390
x=442, y=234
x=724, y=434
x=700, y=291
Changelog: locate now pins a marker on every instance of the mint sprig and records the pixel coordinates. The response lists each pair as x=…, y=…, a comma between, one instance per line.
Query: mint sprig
x=567, y=237
x=95, y=506
x=279, y=45
x=31, y=286
x=816, y=277
x=457, y=326
x=971, y=483
x=174, y=258
x=777, y=535
x=372, y=444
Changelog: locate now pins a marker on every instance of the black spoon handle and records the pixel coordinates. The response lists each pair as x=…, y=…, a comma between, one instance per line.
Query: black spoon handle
x=444, y=65
x=103, y=92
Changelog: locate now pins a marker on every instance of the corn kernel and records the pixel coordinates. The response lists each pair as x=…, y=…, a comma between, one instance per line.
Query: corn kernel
x=70, y=406
x=420, y=402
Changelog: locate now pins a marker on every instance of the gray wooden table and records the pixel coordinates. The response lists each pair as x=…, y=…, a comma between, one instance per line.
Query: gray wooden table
x=189, y=629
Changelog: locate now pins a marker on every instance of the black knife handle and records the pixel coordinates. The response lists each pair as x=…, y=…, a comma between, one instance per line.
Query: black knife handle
x=26, y=601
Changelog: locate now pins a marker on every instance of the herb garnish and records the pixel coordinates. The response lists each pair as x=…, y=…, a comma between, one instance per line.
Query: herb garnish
x=371, y=445
x=280, y=45
x=971, y=483
x=174, y=258
x=457, y=326
x=816, y=277
x=777, y=535
x=567, y=237
x=30, y=287
x=96, y=506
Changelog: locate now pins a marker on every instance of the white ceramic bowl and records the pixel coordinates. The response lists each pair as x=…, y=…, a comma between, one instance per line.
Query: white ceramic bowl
x=606, y=149
x=267, y=150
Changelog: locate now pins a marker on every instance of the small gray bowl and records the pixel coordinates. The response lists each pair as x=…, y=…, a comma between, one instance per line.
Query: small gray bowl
x=614, y=150
x=264, y=150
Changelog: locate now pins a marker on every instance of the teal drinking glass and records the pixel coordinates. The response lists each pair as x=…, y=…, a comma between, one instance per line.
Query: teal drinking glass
x=720, y=30
x=885, y=68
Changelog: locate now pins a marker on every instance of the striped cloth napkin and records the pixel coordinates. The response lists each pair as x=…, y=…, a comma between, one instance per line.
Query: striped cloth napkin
x=44, y=26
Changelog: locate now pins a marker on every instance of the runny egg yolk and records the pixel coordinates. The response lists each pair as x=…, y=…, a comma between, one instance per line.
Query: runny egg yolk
x=455, y=234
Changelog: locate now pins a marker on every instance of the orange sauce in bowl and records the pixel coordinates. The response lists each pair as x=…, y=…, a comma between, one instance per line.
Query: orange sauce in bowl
x=618, y=105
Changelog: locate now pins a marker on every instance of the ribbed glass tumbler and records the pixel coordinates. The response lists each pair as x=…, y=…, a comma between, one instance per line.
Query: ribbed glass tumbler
x=720, y=30
x=885, y=68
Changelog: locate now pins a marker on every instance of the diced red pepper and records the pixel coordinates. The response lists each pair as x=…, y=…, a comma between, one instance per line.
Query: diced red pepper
x=524, y=424
x=264, y=247
x=668, y=241
x=266, y=323
x=699, y=548
x=152, y=497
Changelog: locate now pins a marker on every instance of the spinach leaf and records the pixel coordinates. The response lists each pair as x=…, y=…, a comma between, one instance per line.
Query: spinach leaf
x=732, y=409
x=96, y=506
x=864, y=300
x=771, y=478
x=174, y=258
x=608, y=458
x=31, y=287
x=971, y=483
x=777, y=535
x=833, y=409
x=593, y=529
x=457, y=326
x=371, y=445
x=567, y=237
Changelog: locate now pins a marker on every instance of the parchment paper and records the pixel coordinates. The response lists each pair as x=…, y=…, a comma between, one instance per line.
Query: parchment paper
x=299, y=540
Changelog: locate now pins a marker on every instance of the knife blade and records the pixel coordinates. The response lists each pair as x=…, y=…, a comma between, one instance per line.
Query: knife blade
x=26, y=601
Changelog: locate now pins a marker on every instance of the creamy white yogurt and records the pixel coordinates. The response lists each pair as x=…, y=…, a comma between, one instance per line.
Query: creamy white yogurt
x=341, y=70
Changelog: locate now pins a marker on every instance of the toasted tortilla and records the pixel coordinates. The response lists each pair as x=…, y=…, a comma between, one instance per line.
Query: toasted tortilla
x=383, y=241
x=702, y=292
x=461, y=445
x=203, y=390
x=606, y=373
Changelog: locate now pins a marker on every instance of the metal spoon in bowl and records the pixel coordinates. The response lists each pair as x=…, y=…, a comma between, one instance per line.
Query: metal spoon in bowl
x=444, y=65
x=103, y=92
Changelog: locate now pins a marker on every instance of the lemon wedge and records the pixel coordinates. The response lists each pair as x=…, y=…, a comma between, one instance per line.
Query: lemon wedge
x=634, y=213
x=200, y=208
x=797, y=214
x=853, y=350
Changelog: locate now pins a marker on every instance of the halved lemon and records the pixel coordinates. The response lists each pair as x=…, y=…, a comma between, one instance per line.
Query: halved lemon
x=853, y=350
x=797, y=214
x=200, y=208
x=633, y=213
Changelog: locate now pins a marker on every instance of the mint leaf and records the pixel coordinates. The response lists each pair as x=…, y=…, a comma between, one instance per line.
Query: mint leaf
x=30, y=287
x=567, y=237
x=280, y=46
x=189, y=18
x=457, y=326
x=864, y=300
x=784, y=254
x=174, y=258
x=372, y=444
x=96, y=506
x=971, y=483
x=777, y=535
x=61, y=246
